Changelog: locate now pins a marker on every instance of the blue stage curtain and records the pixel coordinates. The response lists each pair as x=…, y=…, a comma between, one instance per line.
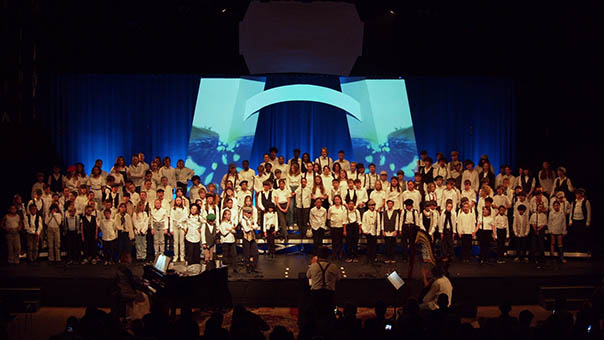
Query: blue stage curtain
x=304, y=125
x=104, y=116
x=473, y=115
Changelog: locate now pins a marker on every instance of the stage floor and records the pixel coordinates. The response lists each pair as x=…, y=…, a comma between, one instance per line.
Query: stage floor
x=282, y=281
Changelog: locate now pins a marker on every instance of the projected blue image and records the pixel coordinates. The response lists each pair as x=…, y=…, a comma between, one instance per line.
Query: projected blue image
x=225, y=121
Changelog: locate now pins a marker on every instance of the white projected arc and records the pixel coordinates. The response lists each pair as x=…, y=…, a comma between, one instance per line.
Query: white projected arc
x=303, y=92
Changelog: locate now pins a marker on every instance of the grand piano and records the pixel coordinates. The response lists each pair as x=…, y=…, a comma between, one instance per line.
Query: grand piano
x=206, y=288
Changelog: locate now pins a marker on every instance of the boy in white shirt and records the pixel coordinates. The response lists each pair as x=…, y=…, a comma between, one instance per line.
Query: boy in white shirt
x=34, y=224
x=167, y=189
x=370, y=228
x=269, y=226
x=538, y=222
x=136, y=172
x=501, y=200
x=303, y=205
x=371, y=178
x=469, y=193
x=169, y=172
x=361, y=194
x=227, y=231
x=502, y=232
x=485, y=230
x=282, y=197
x=384, y=181
x=159, y=225
x=450, y=192
x=466, y=223
x=109, y=237
x=521, y=229
x=195, y=188
x=318, y=223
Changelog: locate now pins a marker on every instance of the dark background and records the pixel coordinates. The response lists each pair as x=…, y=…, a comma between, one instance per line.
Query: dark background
x=552, y=52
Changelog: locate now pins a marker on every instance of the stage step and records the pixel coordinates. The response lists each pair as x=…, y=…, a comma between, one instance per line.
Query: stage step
x=21, y=300
x=575, y=296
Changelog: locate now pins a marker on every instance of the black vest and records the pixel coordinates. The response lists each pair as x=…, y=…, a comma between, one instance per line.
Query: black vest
x=89, y=227
x=56, y=185
x=349, y=198
x=448, y=225
x=390, y=223
x=427, y=221
x=266, y=201
x=427, y=176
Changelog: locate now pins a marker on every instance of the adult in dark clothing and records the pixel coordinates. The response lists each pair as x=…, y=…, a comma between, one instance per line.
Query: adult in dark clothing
x=214, y=330
x=375, y=327
x=247, y=325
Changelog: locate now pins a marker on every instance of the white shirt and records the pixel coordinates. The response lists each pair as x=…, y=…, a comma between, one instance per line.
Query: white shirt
x=318, y=218
x=521, y=224
x=96, y=183
x=194, y=192
x=183, y=175
x=303, y=197
x=353, y=216
x=227, y=232
x=241, y=195
x=441, y=171
x=258, y=181
x=370, y=222
x=533, y=203
x=410, y=217
x=136, y=173
x=160, y=216
x=327, y=182
x=192, y=226
x=323, y=161
x=169, y=173
x=379, y=197
x=473, y=177
x=293, y=180
x=168, y=191
x=538, y=220
x=344, y=164
x=466, y=223
x=248, y=175
x=249, y=224
x=140, y=222
x=108, y=229
x=452, y=195
x=501, y=222
x=387, y=214
x=469, y=194
x=414, y=195
x=281, y=195
x=53, y=220
x=577, y=213
x=361, y=197
x=486, y=223
x=443, y=217
x=337, y=216
x=371, y=179
x=270, y=221
x=556, y=223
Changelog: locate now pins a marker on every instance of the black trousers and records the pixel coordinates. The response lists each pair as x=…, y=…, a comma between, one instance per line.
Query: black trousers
x=150, y=248
x=409, y=233
x=250, y=252
x=110, y=249
x=577, y=235
x=485, y=237
x=282, y=216
x=270, y=241
x=501, y=236
x=73, y=245
x=352, y=240
x=390, y=242
x=521, y=246
x=193, y=252
x=229, y=253
x=446, y=244
x=90, y=247
x=538, y=245
x=317, y=239
x=466, y=247
x=371, y=247
x=336, y=241
x=302, y=215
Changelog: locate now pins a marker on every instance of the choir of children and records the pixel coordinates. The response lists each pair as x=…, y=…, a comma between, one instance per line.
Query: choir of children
x=146, y=208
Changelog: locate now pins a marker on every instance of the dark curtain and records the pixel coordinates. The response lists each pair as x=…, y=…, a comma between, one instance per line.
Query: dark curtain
x=104, y=116
x=473, y=115
x=304, y=125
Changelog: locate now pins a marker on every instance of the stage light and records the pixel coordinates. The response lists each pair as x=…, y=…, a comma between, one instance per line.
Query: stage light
x=391, y=11
x=224, y=10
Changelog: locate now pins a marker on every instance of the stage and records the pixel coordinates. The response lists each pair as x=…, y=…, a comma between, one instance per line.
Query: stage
x=282, y=282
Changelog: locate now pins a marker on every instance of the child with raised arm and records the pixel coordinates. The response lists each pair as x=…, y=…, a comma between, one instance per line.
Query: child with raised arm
x=227, y=231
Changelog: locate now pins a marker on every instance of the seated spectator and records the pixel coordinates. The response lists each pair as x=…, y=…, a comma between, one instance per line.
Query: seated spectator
x=214, y=330
x=247, y=325
x=281, y=333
